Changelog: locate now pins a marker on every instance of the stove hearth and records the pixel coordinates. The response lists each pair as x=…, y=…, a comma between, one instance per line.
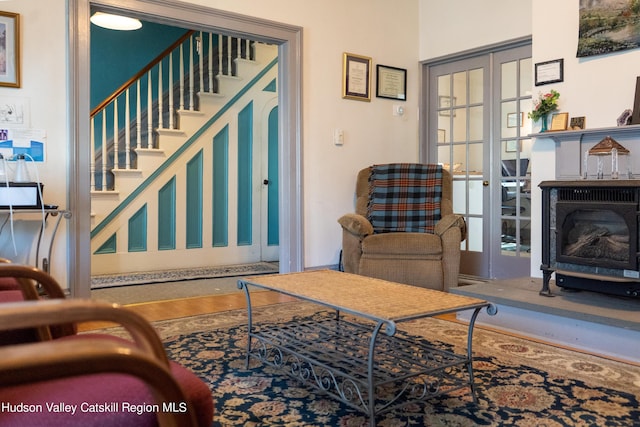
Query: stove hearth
x=590, y=235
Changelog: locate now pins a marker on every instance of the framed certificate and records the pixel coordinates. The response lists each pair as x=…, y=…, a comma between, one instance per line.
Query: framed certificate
x=391, y=82
x=549, y=72
x=356, y=77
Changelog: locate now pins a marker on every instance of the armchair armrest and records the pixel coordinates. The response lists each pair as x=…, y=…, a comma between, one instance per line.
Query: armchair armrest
x=27, y=314
x=356, y=224
x=451, y=221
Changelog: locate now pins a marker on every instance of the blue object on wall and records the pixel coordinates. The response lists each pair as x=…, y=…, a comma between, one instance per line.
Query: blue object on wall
x=35, y=149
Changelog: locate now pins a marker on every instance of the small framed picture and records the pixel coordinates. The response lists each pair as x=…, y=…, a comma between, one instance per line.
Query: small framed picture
x=559, y=121
x=356, y=77
x=511, y=146
x=444, y=105
x=10, y=49
x=577, y=123
x=514, y=121
x=549, y=72
x=391, y=82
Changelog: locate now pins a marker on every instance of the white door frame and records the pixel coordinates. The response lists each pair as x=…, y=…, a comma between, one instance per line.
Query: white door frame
x=289, y=41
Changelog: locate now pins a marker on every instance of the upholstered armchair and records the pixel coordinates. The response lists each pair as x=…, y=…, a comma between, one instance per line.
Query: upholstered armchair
x=404, y=229
x=43, y=360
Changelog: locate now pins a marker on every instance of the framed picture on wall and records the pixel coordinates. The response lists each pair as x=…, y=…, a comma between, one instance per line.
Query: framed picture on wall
x=391, y=82
x=10, y=51
x=356, y=77
x=512, y=120
x=549, y=72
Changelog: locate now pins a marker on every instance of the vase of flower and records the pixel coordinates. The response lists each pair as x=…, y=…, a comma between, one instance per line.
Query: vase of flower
x=545, y=104
x=543, y=123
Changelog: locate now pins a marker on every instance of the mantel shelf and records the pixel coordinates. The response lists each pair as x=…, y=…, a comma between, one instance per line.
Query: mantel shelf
x=566, y=135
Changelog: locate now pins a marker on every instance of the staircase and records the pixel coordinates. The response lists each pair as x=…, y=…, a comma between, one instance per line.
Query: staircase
x=175, y=150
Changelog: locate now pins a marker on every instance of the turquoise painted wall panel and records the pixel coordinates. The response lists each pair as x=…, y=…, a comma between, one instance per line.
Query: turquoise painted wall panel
x=194, y=202
x=108, y=247
x=221, y=188
x=273, y=228
x=245, y=174
x=167, y=216
x=138, y=230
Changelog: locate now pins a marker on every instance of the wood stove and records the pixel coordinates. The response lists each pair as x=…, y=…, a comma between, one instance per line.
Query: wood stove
x=590, y=235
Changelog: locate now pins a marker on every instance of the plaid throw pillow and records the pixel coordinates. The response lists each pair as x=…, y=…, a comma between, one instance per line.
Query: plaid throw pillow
x=404, y=197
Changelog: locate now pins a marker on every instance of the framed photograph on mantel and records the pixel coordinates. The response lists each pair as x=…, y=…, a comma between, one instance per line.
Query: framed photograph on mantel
x=391, y=82
x=356, y=77
x=559, y=121
x=10, y=49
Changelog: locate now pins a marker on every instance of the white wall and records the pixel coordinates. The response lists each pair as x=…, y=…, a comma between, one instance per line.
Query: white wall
x=453, y=26
x=43, y=60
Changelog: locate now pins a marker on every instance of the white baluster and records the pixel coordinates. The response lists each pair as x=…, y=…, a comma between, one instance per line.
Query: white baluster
x=127, y=131
x=116, y=160
x=191, y=73
x=210, y=63
x=160, y=109
x=149, y=112
x=229, y=57
x=138, y=117
x=219, y=54
x=200, y=62
x=171, y=125
x=181, y=67
x=103, y=187
x=92, y=166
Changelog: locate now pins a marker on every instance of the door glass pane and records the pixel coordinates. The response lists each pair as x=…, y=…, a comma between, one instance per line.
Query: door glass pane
x=460, y=197
x=459, y=125
x=509, y=80
x=474, y=234
x=460, y=88
x=444, y=156
x=526, y=105
x=444, y=127
x=526, y=79
x=476, y=193
x=460, y=158
x=509, y=120
x=444, y=85
x=476, y=86
x=475, y=159
x=476, y=123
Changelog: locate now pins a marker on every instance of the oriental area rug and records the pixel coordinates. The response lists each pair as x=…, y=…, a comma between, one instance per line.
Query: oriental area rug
x=519, y=382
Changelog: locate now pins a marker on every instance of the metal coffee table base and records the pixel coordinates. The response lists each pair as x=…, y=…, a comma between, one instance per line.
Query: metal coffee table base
x=369, y=366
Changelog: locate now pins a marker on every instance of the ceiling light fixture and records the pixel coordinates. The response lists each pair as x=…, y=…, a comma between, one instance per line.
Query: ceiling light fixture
x=115, y=22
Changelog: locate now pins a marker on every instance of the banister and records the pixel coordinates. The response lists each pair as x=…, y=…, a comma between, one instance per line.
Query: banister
x=141, y=73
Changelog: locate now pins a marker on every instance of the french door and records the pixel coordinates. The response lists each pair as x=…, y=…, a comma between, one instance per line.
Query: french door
x=477, y=127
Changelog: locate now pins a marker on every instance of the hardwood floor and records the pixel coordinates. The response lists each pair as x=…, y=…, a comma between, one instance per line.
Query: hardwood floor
x=184, y=307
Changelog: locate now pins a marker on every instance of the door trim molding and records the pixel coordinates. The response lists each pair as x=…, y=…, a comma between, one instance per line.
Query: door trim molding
x=289, y=41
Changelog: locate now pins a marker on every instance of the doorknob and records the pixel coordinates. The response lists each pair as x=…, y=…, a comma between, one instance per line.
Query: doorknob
x=265, y=182
x=485, y=183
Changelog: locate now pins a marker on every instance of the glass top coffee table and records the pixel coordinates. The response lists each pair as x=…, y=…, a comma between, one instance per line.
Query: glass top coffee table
x=352, y=349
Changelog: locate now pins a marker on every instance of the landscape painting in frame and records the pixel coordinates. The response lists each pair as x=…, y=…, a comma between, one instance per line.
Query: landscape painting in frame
x=608, y=26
